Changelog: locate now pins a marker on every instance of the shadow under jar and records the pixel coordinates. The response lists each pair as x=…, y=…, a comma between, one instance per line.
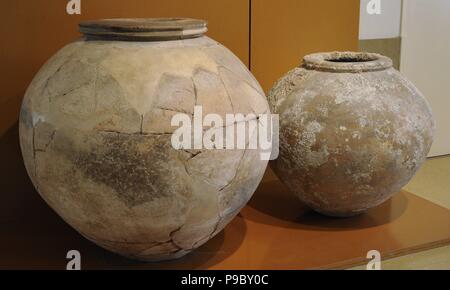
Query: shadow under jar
x=96, y=130
x=353, y=131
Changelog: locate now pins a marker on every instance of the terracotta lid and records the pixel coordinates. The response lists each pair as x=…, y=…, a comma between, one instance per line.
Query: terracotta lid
x=346, y=61
x=144, y=29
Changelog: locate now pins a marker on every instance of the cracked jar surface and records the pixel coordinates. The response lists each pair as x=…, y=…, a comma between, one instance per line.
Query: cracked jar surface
x=95, y=132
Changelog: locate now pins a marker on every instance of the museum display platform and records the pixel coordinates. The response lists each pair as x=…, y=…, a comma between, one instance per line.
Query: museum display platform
x=274, y=231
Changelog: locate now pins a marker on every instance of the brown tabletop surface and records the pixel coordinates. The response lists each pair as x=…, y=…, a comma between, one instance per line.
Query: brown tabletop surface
x=275, y=231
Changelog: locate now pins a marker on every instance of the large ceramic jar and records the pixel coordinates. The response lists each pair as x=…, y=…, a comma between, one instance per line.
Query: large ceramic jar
x=95, y=131
x=353, y=131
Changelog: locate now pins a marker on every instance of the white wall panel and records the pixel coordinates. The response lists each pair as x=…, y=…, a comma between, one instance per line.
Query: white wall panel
x=425, y=60
x=383, y=25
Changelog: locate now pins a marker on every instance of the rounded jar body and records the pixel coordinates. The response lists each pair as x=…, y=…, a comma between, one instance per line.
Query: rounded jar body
x=96, y=130
x=353, y=131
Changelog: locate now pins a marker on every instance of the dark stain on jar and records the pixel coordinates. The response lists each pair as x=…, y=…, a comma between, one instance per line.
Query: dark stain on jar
x=137, y=167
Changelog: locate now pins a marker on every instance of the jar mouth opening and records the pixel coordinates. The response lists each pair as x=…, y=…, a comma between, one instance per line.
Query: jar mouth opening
x=346, y=61
x=143, y=29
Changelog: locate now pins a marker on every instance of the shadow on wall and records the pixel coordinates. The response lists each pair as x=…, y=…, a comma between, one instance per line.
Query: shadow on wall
x=390, y=47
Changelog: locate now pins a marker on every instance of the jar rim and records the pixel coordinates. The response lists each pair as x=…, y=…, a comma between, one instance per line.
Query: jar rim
x=346, y=61
x=143, y=29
